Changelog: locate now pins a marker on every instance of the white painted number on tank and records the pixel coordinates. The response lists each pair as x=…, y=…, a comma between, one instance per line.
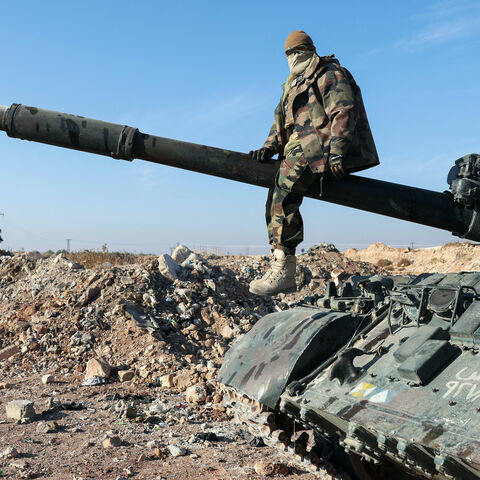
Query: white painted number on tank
x=466, y=384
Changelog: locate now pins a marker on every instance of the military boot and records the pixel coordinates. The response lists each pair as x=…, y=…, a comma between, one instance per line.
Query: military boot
x=280, y=278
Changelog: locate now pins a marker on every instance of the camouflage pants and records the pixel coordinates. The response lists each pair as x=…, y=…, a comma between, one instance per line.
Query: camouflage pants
x=284, y=222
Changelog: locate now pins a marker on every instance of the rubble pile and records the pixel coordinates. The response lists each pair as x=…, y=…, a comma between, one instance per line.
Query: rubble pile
x=125, y=358
x=177, y=312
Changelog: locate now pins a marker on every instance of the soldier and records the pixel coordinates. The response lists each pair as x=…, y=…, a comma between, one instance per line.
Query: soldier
x=320, y=129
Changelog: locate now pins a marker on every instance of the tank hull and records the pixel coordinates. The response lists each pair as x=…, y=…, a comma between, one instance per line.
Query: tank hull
x=405, y=391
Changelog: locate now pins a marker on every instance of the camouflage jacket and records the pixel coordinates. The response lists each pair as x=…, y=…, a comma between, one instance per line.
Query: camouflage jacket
x=329, y=117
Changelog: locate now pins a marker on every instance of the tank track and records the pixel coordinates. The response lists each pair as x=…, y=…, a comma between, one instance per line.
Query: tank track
x=295, y=441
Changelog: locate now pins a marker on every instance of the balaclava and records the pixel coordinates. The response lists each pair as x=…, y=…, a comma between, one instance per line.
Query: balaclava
x=299, y=61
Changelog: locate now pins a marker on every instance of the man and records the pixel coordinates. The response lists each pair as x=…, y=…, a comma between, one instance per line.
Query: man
x=320, y=129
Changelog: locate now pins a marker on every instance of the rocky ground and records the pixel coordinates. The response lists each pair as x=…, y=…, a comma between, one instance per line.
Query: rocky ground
x=108, y=372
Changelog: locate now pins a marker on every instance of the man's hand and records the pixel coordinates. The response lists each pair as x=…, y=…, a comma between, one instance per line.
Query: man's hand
x=335, y=163
x=262, y=154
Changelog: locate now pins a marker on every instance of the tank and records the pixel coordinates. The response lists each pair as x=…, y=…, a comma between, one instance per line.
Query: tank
x=377, y=379
x=380, y=379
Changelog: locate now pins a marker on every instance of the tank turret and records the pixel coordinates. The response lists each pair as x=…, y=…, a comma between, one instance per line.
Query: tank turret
x=456, y=210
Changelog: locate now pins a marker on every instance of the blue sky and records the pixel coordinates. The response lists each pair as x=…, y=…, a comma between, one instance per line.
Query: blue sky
x=210, y=73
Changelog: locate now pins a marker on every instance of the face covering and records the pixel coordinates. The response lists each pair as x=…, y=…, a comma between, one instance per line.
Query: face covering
x=299, y=61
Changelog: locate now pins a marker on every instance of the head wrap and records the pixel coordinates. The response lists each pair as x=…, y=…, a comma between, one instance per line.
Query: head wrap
x=297, y=38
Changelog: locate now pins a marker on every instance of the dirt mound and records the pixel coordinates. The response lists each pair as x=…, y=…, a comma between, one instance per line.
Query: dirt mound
x=449, y=258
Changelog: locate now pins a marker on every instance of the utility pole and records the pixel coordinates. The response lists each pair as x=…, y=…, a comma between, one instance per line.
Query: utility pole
x=68, y=244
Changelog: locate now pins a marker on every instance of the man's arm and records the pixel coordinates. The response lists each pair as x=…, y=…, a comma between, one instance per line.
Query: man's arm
x=272, y=144
x=338, y=101
x=273, y=140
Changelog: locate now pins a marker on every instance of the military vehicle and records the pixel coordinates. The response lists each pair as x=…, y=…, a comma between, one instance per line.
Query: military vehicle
x=381, y=377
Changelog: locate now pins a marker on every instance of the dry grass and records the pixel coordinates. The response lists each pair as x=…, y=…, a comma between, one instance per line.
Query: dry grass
x=456, y=244
x=384, y=262
x=404, y=262
x=91, y=259
x=437, y=260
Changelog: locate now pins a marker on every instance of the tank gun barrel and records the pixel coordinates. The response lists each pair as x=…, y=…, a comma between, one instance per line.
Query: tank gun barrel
x=413, y=204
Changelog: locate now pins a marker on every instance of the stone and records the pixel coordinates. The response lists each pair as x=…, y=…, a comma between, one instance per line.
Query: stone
x=206, y=316
x=20, y=410
x=159, y=452
x=94, y=381
x=88, y=297
x=181, y=308
x=46, y=427
x=86, y=338
x=181, y=253
x=73, y=265
x=32, y=346
x=211, y=365
x=48, y=379
x=168, y=267
x=271, y=469
x=167, y=381
x=217, y=398
x=191, y=261
x=177, y=451
x=131, y=413
x=196, y=394
x=97, y=367
x=10, y=452
x=8, y=352
x=126, y=375
x=142, y=457
x=185, y=379
x=112, y=441
x=227, y=332
x=152, y=444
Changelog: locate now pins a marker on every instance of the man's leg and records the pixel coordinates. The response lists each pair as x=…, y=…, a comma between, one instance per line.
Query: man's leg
x=268, y=212
x=293, y=179
x=285, y=224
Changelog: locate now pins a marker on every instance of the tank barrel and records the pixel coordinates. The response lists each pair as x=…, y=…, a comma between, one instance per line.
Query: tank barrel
x=413, y=204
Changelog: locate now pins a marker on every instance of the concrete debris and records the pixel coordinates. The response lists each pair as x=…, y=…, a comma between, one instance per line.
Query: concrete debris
x=126, y=375
x=167, y=381
x=46, y=427
x=111, y=442
x=181, y=253
x=94, y=381
x=48, y=379
x=227, y=332
x=97, y=367
x=20, y=410
x=152, y=444
x=196, y=394
x=168, y=267
x=184, y=379
x=10, y=452
x=177, y=451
